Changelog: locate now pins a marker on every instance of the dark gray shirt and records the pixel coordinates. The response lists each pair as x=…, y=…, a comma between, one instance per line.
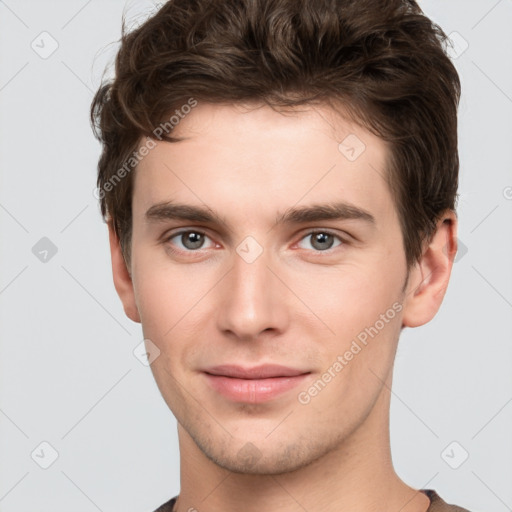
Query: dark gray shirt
x=437, y=504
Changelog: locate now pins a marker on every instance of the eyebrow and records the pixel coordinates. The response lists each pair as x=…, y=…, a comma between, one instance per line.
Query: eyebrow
x=328, y=211
x=295, y=215
x=177, y=211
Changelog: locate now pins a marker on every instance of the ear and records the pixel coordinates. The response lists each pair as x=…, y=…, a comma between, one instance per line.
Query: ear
x=122, y=279
x=429, y=278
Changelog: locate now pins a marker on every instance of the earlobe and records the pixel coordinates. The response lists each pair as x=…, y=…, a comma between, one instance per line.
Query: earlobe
x=430, y=276
x=122, y=279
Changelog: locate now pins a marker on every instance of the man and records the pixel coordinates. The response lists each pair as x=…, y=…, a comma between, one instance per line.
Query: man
x=279, y=180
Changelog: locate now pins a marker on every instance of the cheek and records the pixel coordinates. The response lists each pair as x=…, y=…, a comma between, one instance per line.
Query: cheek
x=166, y=293
x=365, y=317
x=351, y=297
x=337, y=302
x=361, y=307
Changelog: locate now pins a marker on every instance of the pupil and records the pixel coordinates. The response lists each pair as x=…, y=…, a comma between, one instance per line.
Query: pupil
x=192, y=240
x=321, y=238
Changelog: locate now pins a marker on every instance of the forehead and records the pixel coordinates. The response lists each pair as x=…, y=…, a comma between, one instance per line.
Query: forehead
x=251, y=160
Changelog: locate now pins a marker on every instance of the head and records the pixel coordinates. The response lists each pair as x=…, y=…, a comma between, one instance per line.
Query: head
x=326, y=132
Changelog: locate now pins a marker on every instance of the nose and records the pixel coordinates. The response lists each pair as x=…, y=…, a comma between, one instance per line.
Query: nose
x=252, y=299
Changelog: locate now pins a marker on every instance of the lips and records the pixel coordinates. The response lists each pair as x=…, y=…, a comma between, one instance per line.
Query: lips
x=257, y=372
x=253, y=385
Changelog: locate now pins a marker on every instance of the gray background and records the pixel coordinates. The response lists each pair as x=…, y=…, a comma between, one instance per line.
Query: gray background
x=68, y=376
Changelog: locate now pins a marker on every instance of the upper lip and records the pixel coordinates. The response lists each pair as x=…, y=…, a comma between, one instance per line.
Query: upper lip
x=265, y=371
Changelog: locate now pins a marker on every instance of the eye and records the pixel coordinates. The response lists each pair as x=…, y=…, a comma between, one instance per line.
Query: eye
x=190, y=241
x=322, y=240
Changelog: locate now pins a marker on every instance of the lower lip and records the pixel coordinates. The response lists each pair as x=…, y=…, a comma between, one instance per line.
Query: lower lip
x=253, y=390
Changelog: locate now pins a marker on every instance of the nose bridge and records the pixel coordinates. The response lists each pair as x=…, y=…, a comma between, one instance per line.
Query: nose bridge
x=252, y=300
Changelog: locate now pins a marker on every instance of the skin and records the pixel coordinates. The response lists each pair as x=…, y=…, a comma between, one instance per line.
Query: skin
x=295, y=305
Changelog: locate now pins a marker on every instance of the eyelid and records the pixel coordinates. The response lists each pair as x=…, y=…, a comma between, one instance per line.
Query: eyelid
x=328, y=231
x=179, y=231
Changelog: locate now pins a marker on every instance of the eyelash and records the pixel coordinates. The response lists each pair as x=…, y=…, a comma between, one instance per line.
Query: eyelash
x=167, y=239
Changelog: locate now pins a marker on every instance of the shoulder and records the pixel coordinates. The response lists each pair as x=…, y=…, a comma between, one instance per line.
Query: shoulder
x=167, y=506
x=437, y=504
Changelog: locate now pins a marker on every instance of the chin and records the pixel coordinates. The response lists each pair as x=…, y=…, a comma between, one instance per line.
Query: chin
x=268, y=460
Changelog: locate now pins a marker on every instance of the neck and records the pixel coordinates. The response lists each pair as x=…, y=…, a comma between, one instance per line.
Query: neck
x=357, y=476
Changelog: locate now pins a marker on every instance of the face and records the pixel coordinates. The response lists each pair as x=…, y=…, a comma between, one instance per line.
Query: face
x=259, y=240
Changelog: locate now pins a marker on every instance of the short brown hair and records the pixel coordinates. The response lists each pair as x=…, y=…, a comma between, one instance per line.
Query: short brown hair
x=383, y=60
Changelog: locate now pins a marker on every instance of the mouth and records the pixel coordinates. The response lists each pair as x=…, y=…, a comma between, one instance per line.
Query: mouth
x=253, y=385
